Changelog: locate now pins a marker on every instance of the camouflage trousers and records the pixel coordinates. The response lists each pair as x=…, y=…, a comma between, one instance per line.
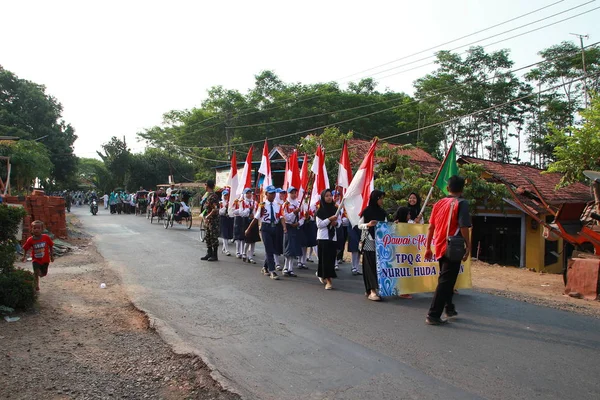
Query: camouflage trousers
x=212, y=232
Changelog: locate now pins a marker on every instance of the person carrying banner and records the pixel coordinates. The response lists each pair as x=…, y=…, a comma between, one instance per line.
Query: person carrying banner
x=370, y=216
x=327, y=222
x=268, y=214
x=449, y=218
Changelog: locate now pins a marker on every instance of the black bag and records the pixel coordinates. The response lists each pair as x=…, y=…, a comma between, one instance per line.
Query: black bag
x=455, y=245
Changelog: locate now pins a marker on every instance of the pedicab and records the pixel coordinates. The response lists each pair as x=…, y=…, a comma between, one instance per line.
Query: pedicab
x=141, y=202
x=175, y=211
x=158, y=207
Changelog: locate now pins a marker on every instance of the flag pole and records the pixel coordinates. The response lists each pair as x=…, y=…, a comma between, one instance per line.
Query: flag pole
x=435, y=179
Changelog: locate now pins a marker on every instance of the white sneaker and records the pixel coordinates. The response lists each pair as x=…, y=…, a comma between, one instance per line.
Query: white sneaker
x=337, y=268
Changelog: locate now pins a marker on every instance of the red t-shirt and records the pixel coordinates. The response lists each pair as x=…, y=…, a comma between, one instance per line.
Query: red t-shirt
x=40, y=248
x=439, y=220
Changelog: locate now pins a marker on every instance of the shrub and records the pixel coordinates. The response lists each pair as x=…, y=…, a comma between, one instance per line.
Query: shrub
x=17, y=289
x=10, y=220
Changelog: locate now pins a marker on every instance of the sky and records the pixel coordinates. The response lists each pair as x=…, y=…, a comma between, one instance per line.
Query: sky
x=118, y=66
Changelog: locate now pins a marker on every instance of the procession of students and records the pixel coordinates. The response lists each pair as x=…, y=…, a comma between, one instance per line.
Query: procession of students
x=289, y=226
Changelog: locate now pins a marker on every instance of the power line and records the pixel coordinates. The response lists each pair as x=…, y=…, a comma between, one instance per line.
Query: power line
x=386, y=109
x=387, y=76
x=402, y=58
x=502, y=33
x=452, y=41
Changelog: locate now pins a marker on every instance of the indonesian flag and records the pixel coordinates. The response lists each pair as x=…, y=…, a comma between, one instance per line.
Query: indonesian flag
x=286, y=174
x=321, y=179
x=303, y=178
x=232, y=182
x=265, y=166
x=246, y=178
x=345, y=171
x=295, y=180
x=357, y=195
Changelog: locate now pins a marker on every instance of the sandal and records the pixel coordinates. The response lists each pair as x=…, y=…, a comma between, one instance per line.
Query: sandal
x=374, y=297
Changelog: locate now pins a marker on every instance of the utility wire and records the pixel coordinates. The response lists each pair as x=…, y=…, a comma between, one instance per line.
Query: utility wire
x=412, y=62
x=451, y=41
x=499, y=41
x=390, y=108
x=402, y=58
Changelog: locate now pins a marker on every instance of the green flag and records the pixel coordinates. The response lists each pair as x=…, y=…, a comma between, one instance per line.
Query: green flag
x=448, y=169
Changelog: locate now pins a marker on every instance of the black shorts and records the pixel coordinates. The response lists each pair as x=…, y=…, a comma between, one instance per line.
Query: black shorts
x=42, y=268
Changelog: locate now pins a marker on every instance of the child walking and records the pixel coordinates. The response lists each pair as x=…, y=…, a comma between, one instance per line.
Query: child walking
x=42, y=251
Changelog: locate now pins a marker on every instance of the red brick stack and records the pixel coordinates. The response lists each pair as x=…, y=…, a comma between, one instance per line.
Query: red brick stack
x=49, y=209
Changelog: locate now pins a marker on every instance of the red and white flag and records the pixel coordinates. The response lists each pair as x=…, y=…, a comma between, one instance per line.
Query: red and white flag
x=345, y=170
x=265, y=166
x=287, y=174
x=246, y=175
x=321, y=179
x=294, y=171
x=363, y=183
x=303, y=178
x=232, y=181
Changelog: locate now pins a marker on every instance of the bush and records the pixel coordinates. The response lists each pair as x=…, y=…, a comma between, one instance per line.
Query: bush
x=10, y=220
x=17, y=289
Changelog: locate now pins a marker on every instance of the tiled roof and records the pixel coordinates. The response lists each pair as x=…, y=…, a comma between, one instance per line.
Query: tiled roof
x=517, y=175
x=429, y=164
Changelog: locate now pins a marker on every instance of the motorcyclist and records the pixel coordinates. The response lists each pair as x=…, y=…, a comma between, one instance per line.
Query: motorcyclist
x=93, y=198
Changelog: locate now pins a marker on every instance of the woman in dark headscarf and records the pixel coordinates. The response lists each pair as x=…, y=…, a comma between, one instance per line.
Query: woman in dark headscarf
x=327, y=222
x=370, y=216
x=414, y=207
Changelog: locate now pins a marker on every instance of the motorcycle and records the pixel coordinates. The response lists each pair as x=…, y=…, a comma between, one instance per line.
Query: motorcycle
x=94, y=207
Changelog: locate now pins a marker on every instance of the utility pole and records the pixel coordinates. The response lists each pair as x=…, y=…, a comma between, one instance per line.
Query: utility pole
x=585, y=88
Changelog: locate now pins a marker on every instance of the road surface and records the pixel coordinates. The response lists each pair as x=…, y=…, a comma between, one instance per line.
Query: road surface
x=291, y=339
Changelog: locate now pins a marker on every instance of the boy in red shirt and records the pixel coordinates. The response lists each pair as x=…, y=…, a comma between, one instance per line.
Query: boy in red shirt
x=41, y=251
x=460, y=222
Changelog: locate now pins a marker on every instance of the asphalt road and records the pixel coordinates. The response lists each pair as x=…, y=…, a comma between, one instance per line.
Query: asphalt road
x=291, y=339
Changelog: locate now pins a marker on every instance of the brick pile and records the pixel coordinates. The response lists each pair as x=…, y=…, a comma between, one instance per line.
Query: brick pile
x=49, y=209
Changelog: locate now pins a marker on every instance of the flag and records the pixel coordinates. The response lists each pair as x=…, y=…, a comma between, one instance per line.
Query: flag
x=359, y=190
x=294, y=171
x=344, y=171
x=232, y=182
x=321, y=181
x=246, y=178
x=303, y=178
x=265, y=166
x=448, y=168
x=286, y=174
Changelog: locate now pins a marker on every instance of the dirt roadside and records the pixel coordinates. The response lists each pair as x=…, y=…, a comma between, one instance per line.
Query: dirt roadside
x=85, y=342
x=531, y=287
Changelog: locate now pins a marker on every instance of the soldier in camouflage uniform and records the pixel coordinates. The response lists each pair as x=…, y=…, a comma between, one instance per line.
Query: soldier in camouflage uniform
x=211, y=206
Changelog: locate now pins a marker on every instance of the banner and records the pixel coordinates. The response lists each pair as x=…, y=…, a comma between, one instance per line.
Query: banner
x=401, y=264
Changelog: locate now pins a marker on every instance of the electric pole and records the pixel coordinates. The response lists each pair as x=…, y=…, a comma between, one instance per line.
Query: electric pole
x=585, y=88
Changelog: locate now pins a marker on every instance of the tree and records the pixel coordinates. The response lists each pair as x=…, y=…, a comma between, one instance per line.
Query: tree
x=29, y=160
x=94, y=171
x=332, y=141
x=26, y=111
x=577, y=148
x=116, y=158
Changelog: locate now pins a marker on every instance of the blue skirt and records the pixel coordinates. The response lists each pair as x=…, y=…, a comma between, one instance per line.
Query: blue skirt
x=226, y=225
x=238, y=228
x=353, y=238
x=310, y=233
x=341, y=234
x=291, y=242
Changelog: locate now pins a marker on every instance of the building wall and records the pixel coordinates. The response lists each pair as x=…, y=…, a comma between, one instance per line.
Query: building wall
x=536, y=249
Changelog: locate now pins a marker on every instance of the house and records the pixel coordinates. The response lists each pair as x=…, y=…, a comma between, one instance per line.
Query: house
x=512, y=236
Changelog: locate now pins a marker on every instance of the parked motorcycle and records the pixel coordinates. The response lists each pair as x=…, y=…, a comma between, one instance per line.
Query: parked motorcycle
x=94, y=207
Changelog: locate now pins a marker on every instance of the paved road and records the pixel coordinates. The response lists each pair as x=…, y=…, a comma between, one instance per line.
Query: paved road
x=291, y=339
